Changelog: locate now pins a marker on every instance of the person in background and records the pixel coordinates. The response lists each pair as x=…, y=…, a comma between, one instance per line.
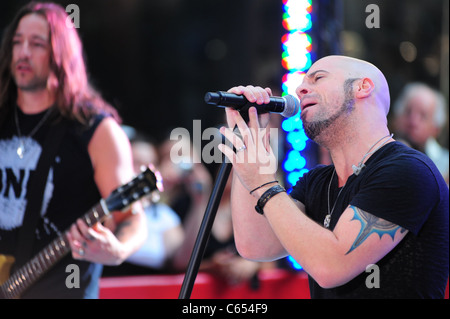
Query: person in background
x=420, y=115
x=165, y=233
x=187, y=186
x=43, y=83
x=220, y=258
x=187, y=182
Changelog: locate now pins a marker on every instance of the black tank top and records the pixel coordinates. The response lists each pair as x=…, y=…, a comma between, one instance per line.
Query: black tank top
x=70, y=192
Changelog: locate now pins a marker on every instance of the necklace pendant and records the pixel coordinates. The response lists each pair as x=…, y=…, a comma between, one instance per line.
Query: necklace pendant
x=357, y=169
x=21, y=150
x=326, y=221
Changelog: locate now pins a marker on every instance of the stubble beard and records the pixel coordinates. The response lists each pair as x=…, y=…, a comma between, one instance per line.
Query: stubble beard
x=34, y=84
x=320, y=130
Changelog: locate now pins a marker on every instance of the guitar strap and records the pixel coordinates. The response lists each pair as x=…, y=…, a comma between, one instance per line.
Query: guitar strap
x=35, y=192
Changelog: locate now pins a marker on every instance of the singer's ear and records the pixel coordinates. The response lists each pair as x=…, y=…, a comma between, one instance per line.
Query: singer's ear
x=364, y=88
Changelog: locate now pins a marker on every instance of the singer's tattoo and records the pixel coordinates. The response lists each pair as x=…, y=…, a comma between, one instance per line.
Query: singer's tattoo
x=371, y=224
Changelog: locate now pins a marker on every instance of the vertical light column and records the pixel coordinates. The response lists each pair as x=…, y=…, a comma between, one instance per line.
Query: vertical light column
x=296, y=59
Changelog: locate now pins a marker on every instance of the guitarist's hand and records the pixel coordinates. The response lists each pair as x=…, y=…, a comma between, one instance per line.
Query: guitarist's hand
x=96, y=244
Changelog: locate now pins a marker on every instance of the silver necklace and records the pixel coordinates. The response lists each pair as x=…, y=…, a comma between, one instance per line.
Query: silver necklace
x=21, y=148
x=356, y=170
x=327, y=220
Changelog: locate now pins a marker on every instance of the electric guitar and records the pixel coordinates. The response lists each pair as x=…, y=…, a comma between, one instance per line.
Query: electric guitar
x=120, y=199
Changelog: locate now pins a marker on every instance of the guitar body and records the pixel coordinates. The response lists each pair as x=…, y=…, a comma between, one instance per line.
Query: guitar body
x=120, y=199
x=6, y=263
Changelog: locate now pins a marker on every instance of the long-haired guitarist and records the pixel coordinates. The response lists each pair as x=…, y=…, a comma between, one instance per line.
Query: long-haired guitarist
x=43, y=81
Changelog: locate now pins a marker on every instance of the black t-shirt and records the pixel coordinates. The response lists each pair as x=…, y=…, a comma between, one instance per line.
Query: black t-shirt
x=69, y=193
x=400, y=185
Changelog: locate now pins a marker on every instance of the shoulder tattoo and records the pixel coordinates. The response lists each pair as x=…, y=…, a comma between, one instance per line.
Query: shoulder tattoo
x=371, y=224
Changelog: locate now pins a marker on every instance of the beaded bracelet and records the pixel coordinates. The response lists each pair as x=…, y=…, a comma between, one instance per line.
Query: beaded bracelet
x=262, y=186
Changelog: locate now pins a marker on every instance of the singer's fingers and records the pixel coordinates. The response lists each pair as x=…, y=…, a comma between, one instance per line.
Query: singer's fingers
x=242, y=130
x=269, y=91
x=261, y=135
x=233, y=138
x=253, y=122
x=244, y=90
x=246, y=133
x=234, y=118
x=228, y=152
x=230, y=112
x=254, y=94
x=261, y=95
x=260, y=132
x=266, y=94
x=266, y=141
x=225, y=149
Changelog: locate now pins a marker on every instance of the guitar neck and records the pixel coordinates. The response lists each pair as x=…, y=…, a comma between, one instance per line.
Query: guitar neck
x=34, y=269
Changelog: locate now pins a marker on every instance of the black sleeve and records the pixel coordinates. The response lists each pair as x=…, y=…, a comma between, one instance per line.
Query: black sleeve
x=403, y=192
x=309, y=190
x=300, y=190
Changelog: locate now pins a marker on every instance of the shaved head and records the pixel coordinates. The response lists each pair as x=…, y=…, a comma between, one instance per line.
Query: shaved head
x=354, y=68
x=342, y=96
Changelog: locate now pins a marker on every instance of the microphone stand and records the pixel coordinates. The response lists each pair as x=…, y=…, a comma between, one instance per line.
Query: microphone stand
x=207, y=222
x=205, y=229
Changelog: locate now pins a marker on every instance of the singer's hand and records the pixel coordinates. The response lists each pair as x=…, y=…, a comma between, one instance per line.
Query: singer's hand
x=253, y=94
x=253, y=161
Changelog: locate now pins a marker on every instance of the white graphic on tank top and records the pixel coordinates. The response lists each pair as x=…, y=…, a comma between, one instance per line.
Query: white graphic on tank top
x=14, y=176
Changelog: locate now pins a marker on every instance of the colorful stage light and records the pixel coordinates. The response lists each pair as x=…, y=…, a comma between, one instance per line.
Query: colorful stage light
x=296, y=59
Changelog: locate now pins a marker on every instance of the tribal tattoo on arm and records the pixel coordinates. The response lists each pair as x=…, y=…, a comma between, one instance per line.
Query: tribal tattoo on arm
x=371, y=224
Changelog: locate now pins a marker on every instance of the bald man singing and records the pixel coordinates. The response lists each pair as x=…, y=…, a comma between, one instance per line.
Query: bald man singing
x=374, y=224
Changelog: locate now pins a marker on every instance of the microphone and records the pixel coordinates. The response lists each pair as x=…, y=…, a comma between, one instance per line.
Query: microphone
x=287, y=105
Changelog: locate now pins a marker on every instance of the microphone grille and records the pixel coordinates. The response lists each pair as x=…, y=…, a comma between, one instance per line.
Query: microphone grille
x=292, y=106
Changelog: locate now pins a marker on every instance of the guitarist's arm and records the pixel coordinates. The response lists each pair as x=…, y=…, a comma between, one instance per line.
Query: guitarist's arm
x=123, y=233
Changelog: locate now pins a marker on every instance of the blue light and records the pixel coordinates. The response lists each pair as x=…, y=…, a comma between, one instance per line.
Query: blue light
x=292, y=124
x=288, y=125
x=297, y=139
x=294, y=263
x=296, y=59
x=294, y=176
x=294, y=161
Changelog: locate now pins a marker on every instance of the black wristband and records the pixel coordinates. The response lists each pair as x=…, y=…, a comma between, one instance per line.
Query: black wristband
x=268, y=194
